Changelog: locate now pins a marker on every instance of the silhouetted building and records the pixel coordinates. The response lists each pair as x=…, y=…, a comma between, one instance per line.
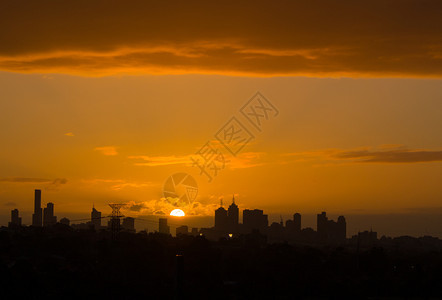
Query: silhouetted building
x=329, y=230
x=96, y=218
x=232, y=217
x=114, y=224
x=221, y=219
x=275, y=231
x=297, y=222
x=163, y=227
x=182, y=230
x=37, y=216
x=194, y=231
x=65, y=221
x=226, y=221
x=254, y=220
x=129, y=224
x=365, y=238
x=15, y=219
x=48, y=215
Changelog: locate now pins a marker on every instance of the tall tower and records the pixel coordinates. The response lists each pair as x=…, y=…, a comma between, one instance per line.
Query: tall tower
x=221, y=219
x=48, y=215
x=321, y=225
x=233, y=216
x=114, y=222
x=37, y=215
x=163, y=227
x=15, y=219
x=96, y=218
x=297, y=221
x=342, y=228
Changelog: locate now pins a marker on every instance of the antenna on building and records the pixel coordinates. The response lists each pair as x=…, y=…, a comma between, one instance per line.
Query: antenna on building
x=233, y=200
x=115, y=218
x=221, y=202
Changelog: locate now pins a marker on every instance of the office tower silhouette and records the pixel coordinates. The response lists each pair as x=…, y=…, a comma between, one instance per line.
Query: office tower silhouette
x=297, y=222
x=65, y=221
x=321, y=225
x=182, y=230
x=341, y=229
x=48, y=215
x=233, y=217
x=37, y=216
x=254, y=220
x=129, y=224
x=15, y=219
x=226, y=221
x=96, y=218
x=163, y=227
x=221, y=219
x=329, y=230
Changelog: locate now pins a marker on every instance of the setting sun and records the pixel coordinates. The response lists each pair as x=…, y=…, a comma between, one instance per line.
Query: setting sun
x=177, y=213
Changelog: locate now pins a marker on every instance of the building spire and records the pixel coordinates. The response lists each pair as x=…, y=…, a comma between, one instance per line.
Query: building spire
x=233, y=200
x=221, y=202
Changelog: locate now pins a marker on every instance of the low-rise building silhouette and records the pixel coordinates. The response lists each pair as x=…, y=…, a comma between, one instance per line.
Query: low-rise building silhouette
x=182, y=230
x=65, y=221
x=129, y=224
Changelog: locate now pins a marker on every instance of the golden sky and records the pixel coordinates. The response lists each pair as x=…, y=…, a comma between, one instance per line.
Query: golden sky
x=101, y=101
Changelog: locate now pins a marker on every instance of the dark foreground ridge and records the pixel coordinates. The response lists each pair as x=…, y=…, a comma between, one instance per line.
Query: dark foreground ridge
x=60, y=262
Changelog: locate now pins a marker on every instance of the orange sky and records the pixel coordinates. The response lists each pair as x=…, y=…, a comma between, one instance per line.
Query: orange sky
x=102, y=101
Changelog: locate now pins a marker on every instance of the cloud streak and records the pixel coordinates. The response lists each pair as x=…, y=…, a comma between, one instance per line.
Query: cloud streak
x=377, y=38
x=241, y=161
x=51, y=184
x=107, y=150
x=393, y=154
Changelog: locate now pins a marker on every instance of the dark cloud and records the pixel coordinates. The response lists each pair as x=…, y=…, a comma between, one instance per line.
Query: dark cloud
x=136, y=207
x=51, y=184
x=317, y=38
x=391, y=156
x=25, y=180
x=55, y=184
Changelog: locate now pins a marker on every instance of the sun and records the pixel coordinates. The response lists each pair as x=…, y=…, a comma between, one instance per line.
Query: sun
x=177, y=213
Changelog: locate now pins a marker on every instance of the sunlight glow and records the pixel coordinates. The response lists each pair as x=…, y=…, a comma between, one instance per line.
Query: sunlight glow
x=177, y=213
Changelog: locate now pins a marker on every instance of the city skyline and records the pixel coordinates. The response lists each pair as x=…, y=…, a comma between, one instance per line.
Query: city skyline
x=223, y=220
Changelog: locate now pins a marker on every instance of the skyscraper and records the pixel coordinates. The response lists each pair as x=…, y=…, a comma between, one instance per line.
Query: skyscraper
x=321, y=225
x=297, y=221
x=254, y=220
x=15, y=219
x=233, y=217
x=96, y=218
x=221, y=219
x=331, y=231
x=48, y=215
x=37, y=215
x=163, y=227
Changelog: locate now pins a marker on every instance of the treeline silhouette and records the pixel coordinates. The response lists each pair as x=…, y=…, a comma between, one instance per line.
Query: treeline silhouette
x=60, y=262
